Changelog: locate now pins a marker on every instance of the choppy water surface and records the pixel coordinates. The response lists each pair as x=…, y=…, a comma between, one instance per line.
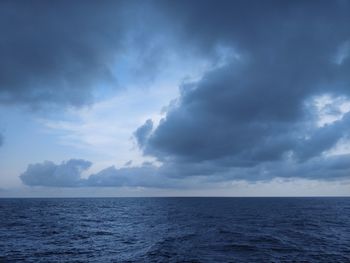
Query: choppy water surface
x=175, y=230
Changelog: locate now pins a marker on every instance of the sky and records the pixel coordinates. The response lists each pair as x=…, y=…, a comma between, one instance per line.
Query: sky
x=174, y=98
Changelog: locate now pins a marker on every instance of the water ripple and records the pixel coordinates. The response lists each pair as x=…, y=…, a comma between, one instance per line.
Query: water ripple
x=175, y=230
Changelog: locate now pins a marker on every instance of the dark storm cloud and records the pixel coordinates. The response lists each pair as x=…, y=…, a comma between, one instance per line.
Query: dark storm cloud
x=256, y=109
x=322, y=139
x=61, y=52
x=54, y=52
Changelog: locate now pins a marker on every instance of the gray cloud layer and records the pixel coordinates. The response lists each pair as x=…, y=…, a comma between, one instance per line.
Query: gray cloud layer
x=69, y=174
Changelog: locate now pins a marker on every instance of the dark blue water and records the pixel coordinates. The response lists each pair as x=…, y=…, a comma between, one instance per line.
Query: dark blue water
x=175, y=230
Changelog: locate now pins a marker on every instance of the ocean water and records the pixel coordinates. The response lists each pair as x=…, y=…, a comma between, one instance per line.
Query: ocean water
x=175, y=230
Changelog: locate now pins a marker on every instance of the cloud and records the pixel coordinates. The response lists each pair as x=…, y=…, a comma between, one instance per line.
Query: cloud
x=252, y=117
x=319, y=168
x=255, y=110
x=66, y=174
x=143, y=176
x=68, y=53
x=69, y=174
x=142, y=133
x=55, y=53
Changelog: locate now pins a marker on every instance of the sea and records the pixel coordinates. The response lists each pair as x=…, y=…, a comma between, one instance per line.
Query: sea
x=175, y=230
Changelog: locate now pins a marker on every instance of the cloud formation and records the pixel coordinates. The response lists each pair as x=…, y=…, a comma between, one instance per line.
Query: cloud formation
x=69, y=174
x=175, y=175
x=255, y=116
x=66, y=174
x=257, y=110
x=143, y=132
x=55, y=53
x=63, y=53
x=146, y=175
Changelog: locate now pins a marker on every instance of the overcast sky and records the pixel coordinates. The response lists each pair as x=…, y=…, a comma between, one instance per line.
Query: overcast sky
x=174, y=98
